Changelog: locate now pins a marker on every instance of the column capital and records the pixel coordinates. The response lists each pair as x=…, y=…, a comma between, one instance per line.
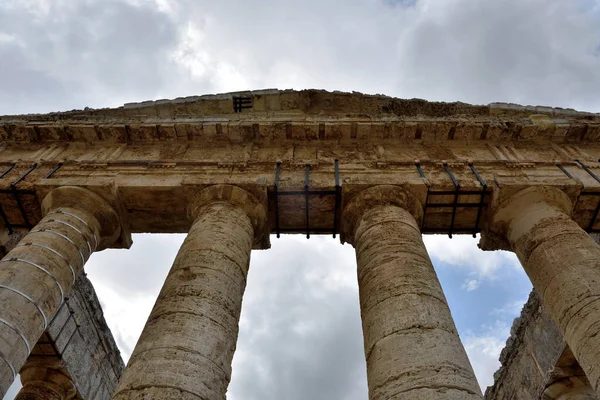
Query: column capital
x=520, y=210
x=110, y=228
x=380, y=195
x=46, y=377
x=253, y=204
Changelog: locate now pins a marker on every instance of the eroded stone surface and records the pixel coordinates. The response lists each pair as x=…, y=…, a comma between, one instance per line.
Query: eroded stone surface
x=187, y=345
x=40, y=271
x=561, y=260
x=412, y=347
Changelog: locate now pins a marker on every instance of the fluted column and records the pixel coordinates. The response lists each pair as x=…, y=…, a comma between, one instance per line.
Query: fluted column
x=411, y=344
x=45, y=380
x=563, y=263
x=39, y=272
x=186, y=348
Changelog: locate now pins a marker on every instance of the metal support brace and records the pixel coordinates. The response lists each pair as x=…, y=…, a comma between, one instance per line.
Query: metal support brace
x=338, y=193
x=276, y=189
x=456, y=194
x=567, y=173
x=306, y=184
x=597, y=210
x=422, y=175
x=481, y=199
x=15, y=192
x=53, y=171
x=2, y=213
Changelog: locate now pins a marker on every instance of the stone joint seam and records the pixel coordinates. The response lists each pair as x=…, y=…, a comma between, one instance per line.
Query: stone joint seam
x=45, y=319
x=60, y=288
x=206, y=299
x=68, y=239
x=18, y=332
x=180, y=348
x=10, y=365
x=168, y=313
x=43, y=246
x=144, y=387
x=244, y=274
x=435, y=387
x=61, y=222
x=80, y=220
x=405, y=331
x=443, y=301
x=592, y=300
x=387, y=222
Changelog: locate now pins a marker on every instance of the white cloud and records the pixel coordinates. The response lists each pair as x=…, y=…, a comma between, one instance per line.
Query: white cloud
x=484, y=351
x=462, y=252
x=471, y=284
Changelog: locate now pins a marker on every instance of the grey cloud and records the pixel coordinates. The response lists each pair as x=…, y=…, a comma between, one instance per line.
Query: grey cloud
x=92, y=53
x=84, y=53
x=138, y=271
x=300, y=339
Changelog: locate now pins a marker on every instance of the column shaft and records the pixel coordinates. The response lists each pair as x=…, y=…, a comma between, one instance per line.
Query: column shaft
x=563, y=263
x=35, y=277
x=411, y=344
x=187, y=345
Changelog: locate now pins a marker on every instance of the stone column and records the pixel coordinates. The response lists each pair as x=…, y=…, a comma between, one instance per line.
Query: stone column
x=186, y=348
x=39, y=272
x=411, y=344
x=45, y=380
x=570, y=389
x=562, y=261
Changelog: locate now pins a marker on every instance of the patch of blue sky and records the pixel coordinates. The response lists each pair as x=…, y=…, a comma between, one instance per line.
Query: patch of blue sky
x=491, y=301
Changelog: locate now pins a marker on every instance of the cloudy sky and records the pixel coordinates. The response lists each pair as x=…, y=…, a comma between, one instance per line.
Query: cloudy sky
x=300, y=332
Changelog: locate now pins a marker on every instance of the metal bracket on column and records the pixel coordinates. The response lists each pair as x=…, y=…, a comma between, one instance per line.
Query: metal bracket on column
x=276, y=189
x=422, y=175
x=595, y=194
x=338, y=193
x=481, y=199
x=456, y=194
x=306, y=183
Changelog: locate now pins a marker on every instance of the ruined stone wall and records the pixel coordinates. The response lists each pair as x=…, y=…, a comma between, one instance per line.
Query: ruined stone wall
x=532, y=350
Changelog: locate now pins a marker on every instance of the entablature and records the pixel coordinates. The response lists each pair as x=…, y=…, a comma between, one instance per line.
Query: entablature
x=451, y=156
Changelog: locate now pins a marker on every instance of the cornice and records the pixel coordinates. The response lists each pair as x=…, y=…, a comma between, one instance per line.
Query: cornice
x=308, y=115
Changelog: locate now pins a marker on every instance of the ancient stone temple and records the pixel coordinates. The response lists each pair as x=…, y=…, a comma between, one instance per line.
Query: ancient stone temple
x=230, y=170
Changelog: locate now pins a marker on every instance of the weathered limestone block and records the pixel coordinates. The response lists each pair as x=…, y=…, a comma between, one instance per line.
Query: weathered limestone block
x=562, y=261
x=40, y=271
x=411, y=344
x=187, y=345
